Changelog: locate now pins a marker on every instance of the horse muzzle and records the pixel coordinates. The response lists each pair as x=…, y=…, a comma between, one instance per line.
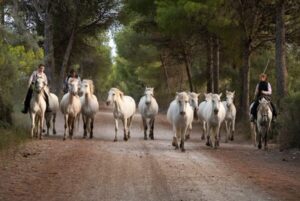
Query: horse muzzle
x=107, y=103
x=182, y=113
x=216, y=111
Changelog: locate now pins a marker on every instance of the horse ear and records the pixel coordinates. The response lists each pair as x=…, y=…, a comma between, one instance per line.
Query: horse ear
x=227, y=92
x=233, y=93
x=220, y=95
x=198, y=94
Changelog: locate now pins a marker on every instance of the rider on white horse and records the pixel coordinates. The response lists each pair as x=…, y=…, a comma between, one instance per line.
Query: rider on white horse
x=263, y=89
x=36, y=74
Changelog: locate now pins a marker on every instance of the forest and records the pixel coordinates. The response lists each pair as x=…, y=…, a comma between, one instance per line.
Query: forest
x=171, y=45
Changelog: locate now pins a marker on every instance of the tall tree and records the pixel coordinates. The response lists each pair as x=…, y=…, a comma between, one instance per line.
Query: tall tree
x=280, y=51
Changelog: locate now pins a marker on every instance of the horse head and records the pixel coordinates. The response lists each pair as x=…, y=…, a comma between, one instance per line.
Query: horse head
x=216, y=102
x=263, y=110
x=87, y=87
x=182, y=99
x=149, y=93
x=39, y=84
x=193, y=100
x=73, y=86
x=229, y=98
x=207, y=96
x=114, y=95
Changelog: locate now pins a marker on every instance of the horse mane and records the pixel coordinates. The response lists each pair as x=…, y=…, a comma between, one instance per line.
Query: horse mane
x=91, y=85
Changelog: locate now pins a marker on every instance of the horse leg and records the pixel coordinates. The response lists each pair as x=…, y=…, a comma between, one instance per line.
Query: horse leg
x=41, y=126
x=53, y=124
x=116, y=130
x=48, y=124
x=84, y=126
x=232, y=129
x=174, y=142
x=227, y=131
x=188, y=132
x=265, y=140
x=183, y=134
x=204, y=130
x=259, y=139
x=208, y=140
x=92, y=128
x=145, y=127
x=129, y=123
x=66, y=125
x=32, y=116
x=151, y=135
x=124, y=120
x=213, y=138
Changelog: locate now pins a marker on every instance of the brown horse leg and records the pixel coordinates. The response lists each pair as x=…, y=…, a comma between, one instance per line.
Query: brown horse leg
x=92, y=127
x=145, y=128
x=151, y=135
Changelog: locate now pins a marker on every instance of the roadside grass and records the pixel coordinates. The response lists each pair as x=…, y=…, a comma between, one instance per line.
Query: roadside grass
x=14, y=135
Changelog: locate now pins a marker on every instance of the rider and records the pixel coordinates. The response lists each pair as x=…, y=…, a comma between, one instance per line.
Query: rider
x=263, y=90
x=37, y=73
x=72, y=74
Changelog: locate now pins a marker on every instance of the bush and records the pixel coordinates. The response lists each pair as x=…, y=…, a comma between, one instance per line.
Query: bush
x=290, y=122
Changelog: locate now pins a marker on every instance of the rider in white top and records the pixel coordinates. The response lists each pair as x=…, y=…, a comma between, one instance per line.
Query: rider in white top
x=38, y=73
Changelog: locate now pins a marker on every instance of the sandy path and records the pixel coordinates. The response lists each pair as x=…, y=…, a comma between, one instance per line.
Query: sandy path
x=99, y=169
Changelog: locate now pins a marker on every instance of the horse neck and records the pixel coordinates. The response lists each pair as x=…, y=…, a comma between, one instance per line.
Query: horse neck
x=87, y=97
x=71, y=98
x=38, y=96
x=118, y=105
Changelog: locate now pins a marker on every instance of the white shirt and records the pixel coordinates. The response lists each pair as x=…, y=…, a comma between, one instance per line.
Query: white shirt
x=35, y=75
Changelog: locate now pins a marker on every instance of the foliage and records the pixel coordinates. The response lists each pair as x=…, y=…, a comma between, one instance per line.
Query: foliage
x=290, y=122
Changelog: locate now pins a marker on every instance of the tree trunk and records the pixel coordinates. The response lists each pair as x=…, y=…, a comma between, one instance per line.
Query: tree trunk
x=216, y=65
x=209, y=66
x=49, y=46
x=245, y=81
x=187, y=63
x=281, y=70
x=165, y=72
x=2, y=13
x=65, y=61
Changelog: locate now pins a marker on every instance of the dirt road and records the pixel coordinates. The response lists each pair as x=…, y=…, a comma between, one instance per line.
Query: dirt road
x=100, y=169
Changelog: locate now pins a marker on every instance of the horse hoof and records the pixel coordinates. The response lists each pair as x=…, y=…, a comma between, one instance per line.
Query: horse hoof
x=145, y=138
x=115, y=140
x=174, y=144
x=64, y=139
x=125, y=139
x=54, y=132
x=207, y=144
x=259, y=146
x=152, y=138
x=187, y=137
x=91, y=137
x=183, y=150
x=202, y=137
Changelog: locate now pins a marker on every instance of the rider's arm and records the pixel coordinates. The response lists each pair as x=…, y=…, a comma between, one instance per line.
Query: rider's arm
x=46, y=79
x=31, y=79
x=269, y=92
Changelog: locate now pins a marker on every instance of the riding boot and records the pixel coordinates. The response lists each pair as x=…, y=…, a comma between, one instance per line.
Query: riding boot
x=274, y=112
x=27, y=100
x=254, y=111
x=47, y=102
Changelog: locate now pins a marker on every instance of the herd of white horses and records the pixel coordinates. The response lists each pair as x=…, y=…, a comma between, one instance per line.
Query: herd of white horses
x=211, y=112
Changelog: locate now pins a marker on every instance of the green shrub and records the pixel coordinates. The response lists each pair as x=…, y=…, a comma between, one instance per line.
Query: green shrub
x=290, y=122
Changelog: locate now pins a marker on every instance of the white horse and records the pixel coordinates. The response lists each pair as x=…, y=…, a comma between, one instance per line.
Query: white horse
x=37, y=108
x=70, y=106
x=213, y=114
x=51, y=116
x=263, y=123
x=193, y=100
x=89, y=106
x=200, y=114
x=124, y=109
x=148, y=108
x=180, y=114
x=230, y=115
